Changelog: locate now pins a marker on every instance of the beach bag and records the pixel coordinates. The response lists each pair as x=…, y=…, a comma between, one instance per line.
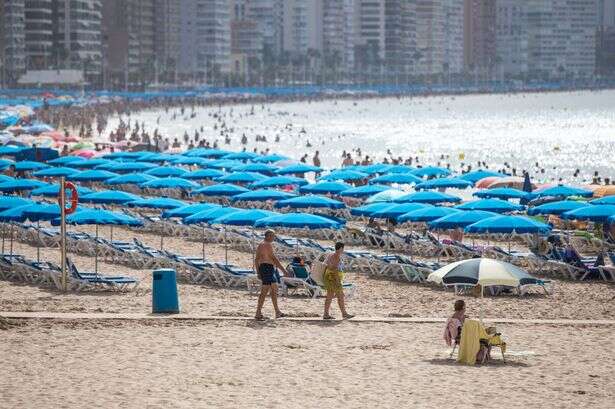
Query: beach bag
x=317, y=272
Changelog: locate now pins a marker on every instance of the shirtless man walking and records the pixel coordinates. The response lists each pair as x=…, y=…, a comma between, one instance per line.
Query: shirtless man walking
x=265, y=263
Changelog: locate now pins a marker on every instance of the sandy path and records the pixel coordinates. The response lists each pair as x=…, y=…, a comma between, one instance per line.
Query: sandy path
x=294, y=365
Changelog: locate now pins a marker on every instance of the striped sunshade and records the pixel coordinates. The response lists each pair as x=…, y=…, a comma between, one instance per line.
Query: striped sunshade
x=483, y=271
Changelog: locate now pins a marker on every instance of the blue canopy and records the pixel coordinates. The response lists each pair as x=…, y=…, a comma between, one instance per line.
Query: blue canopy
x=100, y=217
x=611, y=220
x=279, y=181
x=27, y=165
x=203, y=174
x=206, y=152
x=262, y=195
x=298, y=168
x=444, y=183
x=9, y=202
x=431, y=171
x=428, y=197
x=158, y=203
x=125, y=155
x=270, y=158
x=130, y=179
x=310, y=201
x=556, y=207
x=607, y=200
x=241, y=177
x=15, y=214
x=594, y=213
x=386, y=196
x=87, y=164
x=479, y=174
x=208, y=215
x=53, y=190
x=460, y=219
x=187, y=160
x=374, y=168
x=54, y=172
x=63, y=160
x=125, y=167
x=5, y=163
x=243, y=217
x=343, y=174
x=5, y=178
x=508, y=224
x=221, y=189
x=563, y=191
x=364, y=191
x=157, y=157
x=325, y=187
x=94, y=175
x=427, y=214
x=399, y=178
x=224, y=164
x=109, y=197
x=255, y=167
x=189, y=210
x=21, y=184
x=367, y=210
x=393, y=211
x=240, y=156
x=400, y=169
x=170, y=183
x=491, y=205
x=10, y=150
x=501, y=193
x=42, y=211
x=298, y=220
x=166, y=171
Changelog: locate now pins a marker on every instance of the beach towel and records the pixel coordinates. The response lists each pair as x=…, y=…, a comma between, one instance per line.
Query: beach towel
x=469, y=346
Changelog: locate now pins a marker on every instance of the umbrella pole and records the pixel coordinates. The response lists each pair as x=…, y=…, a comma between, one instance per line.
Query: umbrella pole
x=38, y=243
x=111, y=235
x=161, y=241
x=203, y=240
x=63, y=235
x=96, y=253
x=411, y=243
x=480, y=314
x=11, y=239
x=225, y=248
x=3, y=231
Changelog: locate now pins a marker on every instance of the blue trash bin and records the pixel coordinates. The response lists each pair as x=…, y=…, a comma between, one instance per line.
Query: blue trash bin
x=164, y=292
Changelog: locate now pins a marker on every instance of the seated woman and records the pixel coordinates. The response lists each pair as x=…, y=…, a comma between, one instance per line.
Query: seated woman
x=452, y=331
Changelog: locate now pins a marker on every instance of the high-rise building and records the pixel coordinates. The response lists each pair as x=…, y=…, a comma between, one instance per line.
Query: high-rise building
x=213, y=32
x=400, y=36
x=247, y=43
x=40, y=48
x=562, y=37
x=167, y=46
x=338, y=35
x=370, y=33
x=511, y=38
x=128, y=33
x=605, y=41
x=268, y=16
x=12, y=41
x=479, y=35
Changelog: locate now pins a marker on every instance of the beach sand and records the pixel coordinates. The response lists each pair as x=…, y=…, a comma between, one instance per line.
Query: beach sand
x=296, y=365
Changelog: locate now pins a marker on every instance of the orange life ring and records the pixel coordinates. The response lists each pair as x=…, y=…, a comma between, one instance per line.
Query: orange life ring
x=74, y=198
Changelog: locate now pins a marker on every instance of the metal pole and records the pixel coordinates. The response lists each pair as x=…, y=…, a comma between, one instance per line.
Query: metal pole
x=63, y=234
x=11, y=239
x=96, y=253
x=203, y=240
x=38, y=244
x=161, y=241
x=225, y=248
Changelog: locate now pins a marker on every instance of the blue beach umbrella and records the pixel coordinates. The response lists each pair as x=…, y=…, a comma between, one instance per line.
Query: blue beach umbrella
x=157, y=203
x=109, y=197
x=460, y=219
x=27, y=165
x=431, y=171
x=255, y=167
x=427, y=197
x=400, y=169
x=10, y=202
x=208, y=215
x=10, y=150
x=15, y=214
x=18, y=185
x=364, y=191
x=262, y=195
x=508, y=224
x=386, y=196
x=5, y=163
x=63, y=160
x=243, y=217
x=277, y=181
x=224, y=164
x=556, y=207
x=333, y=188
x=157, y=157
x=399, y=178
x=189, y=210
x=563, y=191
x=476, y=175
x=427, y=214
x=53, y=190
x=393, y=211
x=94, y=175
x=310, y=201
x=54, y=172
x=124, y=155
x=5, y=178
x=240, y=156
x=344, y=175
x=125, y=167
x=130, y=179
x=241, y=177
x=270, y=158
x=298, y=168
x=376, y=168
x=444, y=183
x=501, y=193
x=367, y=210
x=166, y=171
x=206, y=153
x=203, y=174
x=170, y=183
x=298, y=220
x=607, y=200
x=593, y=213
x=87, y=164
x=187, y=160
x=221, y=189
x=491, y=205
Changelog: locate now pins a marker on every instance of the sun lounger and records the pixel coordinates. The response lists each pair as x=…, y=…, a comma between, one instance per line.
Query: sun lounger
x=81, y=281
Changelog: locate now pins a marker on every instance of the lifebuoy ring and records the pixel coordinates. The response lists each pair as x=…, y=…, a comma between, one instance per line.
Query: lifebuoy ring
x=74, y=198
